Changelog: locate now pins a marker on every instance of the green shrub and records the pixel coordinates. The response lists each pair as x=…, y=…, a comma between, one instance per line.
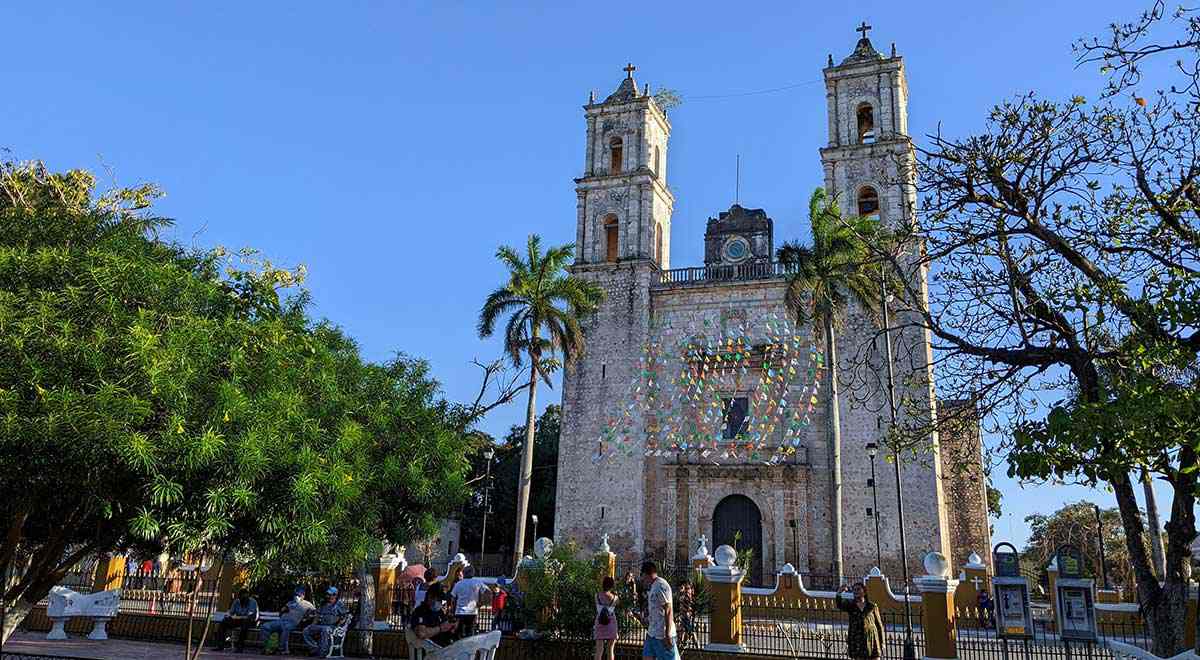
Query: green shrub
x=561, y=595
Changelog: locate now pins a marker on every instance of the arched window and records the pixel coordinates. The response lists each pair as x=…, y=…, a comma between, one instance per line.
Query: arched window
x=868, y=201
x=616, y=150
x=657, y=161
x=866, y=123
x=658, y=246
x=610, y=238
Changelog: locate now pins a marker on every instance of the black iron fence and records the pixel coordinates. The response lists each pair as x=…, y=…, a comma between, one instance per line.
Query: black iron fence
x=977, y=639
x=168, y=592
x=821, y=633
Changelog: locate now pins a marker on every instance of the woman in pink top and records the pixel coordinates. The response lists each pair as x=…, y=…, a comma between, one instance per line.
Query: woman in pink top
x=606, y=622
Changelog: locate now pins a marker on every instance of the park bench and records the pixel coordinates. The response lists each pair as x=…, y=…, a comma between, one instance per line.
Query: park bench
x=65, y=603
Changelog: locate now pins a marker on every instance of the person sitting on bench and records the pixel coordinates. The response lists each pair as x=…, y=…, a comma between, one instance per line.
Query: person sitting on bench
x=319, y=635
x=243, y=614
x=290, y=618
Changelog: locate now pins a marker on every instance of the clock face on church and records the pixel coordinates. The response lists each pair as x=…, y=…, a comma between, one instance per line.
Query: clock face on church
x=736, y=249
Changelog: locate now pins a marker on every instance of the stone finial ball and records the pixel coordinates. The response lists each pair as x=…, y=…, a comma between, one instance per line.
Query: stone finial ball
x=936, y=564
x=725, y=556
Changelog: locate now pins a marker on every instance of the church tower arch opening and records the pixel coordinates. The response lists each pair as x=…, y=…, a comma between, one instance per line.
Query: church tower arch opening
x=737, y=522
x=868, y=201
x=866, y=123
x=616, y=150
x=612, y=235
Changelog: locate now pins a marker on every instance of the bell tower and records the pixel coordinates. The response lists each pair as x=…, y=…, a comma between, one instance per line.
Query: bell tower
x=868, y=166
x=623, y=204
x=867, y=159
x=623, y=238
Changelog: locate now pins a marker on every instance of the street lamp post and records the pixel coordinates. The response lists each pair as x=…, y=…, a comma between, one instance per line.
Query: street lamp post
x=872, y=450
x=910, y=649
x=487, y=491
x=534, y=519
x=1100, y=542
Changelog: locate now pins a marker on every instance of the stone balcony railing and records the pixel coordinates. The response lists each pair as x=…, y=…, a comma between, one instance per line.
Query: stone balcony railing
x=701, y=275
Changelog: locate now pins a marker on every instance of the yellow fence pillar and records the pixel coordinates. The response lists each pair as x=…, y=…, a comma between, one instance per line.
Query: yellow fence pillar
x=974, y=579
x=937, y=608
x=225, y=583
x=725, y=585
x=110, y=573
x=384, y=569
x=605, y=561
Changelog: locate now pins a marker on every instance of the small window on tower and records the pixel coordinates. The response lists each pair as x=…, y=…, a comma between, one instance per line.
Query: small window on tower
x=616, y=150
x=866, y=123
x=868, y=201
x=736, y=411
x=610, y=238
x=657, y=161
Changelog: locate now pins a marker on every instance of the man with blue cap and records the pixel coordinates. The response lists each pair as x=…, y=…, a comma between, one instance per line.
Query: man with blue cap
x=332, y=612
x=289, y=619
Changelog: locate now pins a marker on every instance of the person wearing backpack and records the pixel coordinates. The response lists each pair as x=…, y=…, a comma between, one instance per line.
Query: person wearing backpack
x=606, y=621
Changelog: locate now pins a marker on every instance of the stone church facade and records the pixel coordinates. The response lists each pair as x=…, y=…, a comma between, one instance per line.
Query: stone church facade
x=659, y=505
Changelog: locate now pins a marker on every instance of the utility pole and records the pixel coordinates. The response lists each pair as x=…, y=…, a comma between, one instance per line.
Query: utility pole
x=487, y=491
x=910, y=649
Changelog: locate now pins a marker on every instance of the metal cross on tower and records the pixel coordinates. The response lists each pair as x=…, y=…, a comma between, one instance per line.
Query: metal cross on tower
x=864, y=28
x=629, y=69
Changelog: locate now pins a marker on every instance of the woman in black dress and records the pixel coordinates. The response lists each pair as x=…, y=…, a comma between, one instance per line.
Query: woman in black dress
x=866, y=634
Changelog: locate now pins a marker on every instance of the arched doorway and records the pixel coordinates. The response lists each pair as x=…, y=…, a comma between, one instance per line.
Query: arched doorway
x=734, y=514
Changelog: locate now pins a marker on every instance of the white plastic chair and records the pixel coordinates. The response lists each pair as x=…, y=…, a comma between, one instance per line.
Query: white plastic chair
x=476, y=647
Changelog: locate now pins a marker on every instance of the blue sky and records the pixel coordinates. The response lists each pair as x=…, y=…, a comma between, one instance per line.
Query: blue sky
x=390, y=147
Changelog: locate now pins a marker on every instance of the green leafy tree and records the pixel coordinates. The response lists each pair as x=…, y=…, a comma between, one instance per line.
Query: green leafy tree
x=1062, y=241
x=1075, y=524
x=156, y=395
x=545, y=306
x=825, y=277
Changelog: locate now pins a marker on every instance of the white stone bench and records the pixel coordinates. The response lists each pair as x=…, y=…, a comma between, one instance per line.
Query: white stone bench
x=64, y=603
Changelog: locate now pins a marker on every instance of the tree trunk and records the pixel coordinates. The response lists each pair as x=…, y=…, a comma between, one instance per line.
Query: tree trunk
x=526, y=463
x=1156, y=540
x=14, y=615
x=835, y=450
x=1164, y=606
x=366, y=610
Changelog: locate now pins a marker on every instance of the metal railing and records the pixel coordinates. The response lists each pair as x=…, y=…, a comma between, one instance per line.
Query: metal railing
x=977, y=639
x=698, y=275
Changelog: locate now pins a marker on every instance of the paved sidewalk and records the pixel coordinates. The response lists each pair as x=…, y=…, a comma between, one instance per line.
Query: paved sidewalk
x=113, y=649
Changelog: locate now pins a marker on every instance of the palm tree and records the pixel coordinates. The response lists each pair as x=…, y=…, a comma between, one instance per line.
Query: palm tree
x=544, y=305
x=823, y=279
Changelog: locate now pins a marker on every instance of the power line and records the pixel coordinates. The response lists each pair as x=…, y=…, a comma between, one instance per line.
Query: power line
x=711, y=97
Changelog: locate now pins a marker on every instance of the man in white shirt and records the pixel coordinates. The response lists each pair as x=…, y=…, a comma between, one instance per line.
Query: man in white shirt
x=659, y=618
x=466, y=595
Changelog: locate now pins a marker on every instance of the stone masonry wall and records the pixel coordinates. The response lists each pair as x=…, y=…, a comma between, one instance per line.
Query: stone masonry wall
x=591, y=500
x=965, y=482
